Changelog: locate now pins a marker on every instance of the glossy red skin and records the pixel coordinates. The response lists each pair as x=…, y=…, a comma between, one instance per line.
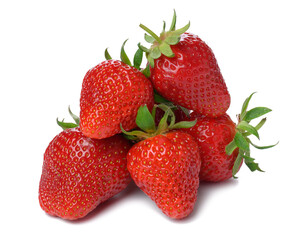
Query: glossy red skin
x=111, y=94
x=166, y=168
x=192, y=77
x=212, y=136
x=79, y=173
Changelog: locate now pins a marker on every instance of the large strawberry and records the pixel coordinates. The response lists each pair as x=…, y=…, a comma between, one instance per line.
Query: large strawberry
x=224, y=145
x=79, y=173
x=165, y=164
x=111, y=94
x=185, y=71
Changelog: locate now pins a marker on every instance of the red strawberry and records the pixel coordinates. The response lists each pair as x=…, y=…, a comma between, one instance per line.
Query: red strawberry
x=185, y=71
x=213, y=135
x=111, y=94
x=165, y=165
x=223, y=145
x=79, y=173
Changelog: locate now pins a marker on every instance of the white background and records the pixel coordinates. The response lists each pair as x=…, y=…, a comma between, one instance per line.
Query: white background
x=48, y=46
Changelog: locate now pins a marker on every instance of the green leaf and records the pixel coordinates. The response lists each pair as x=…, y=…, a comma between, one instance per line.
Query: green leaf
x=185, y=110
x=254, y=166
x=237, y=163
x=75, y=118
x=155, y=53
x=150, y=32
x=173, y=24
x=138, y=57
x=150, y=60
x=124, y=58
x=230, y=147
x=163, y=122
x=248, y=158
x=263, y=147
x=144, y=49
x=65, y=125
x=257, y=127
x=158, y=98
x=107, y=55
x=145, y=120
x=166, y=50
x=255, y=113
x=245, y=106
x=146, y=71
x=241, y=142
x=153, y=112
x=260, y=124
x=148, y=38
x=166, y=106
x=173, y=40
x=136, y=133
x=251, y=164
x=130, y=137
x=182, y=30
x=163, y=27
x=243, y=125
x=184, y=124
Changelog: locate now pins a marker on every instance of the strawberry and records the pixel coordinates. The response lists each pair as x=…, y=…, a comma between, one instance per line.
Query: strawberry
x=185, y=71
x=79, y=173
x=213, y=135
x=111, y=94
x=165, y=164
x=223, y=145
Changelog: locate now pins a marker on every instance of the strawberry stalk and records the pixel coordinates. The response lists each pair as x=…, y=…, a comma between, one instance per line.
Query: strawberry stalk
x=241, y=139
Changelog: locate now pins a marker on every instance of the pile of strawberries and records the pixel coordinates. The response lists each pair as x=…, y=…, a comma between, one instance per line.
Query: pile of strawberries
x=165, y=127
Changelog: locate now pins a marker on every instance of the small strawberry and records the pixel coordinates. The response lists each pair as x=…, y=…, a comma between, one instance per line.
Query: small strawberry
x=79, y=173
x=185, y=71
x=165, y=163
x=223, y=145
x=111, y=94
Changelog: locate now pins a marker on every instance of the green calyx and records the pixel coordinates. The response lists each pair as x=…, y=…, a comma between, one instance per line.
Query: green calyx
x=162, y=44
x=145, y=120
x=160, y=99
x=241, y=139
x=137, y=60
x=67, y=125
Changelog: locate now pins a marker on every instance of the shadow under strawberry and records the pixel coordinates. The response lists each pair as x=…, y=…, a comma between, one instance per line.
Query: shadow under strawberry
x=130, y=191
